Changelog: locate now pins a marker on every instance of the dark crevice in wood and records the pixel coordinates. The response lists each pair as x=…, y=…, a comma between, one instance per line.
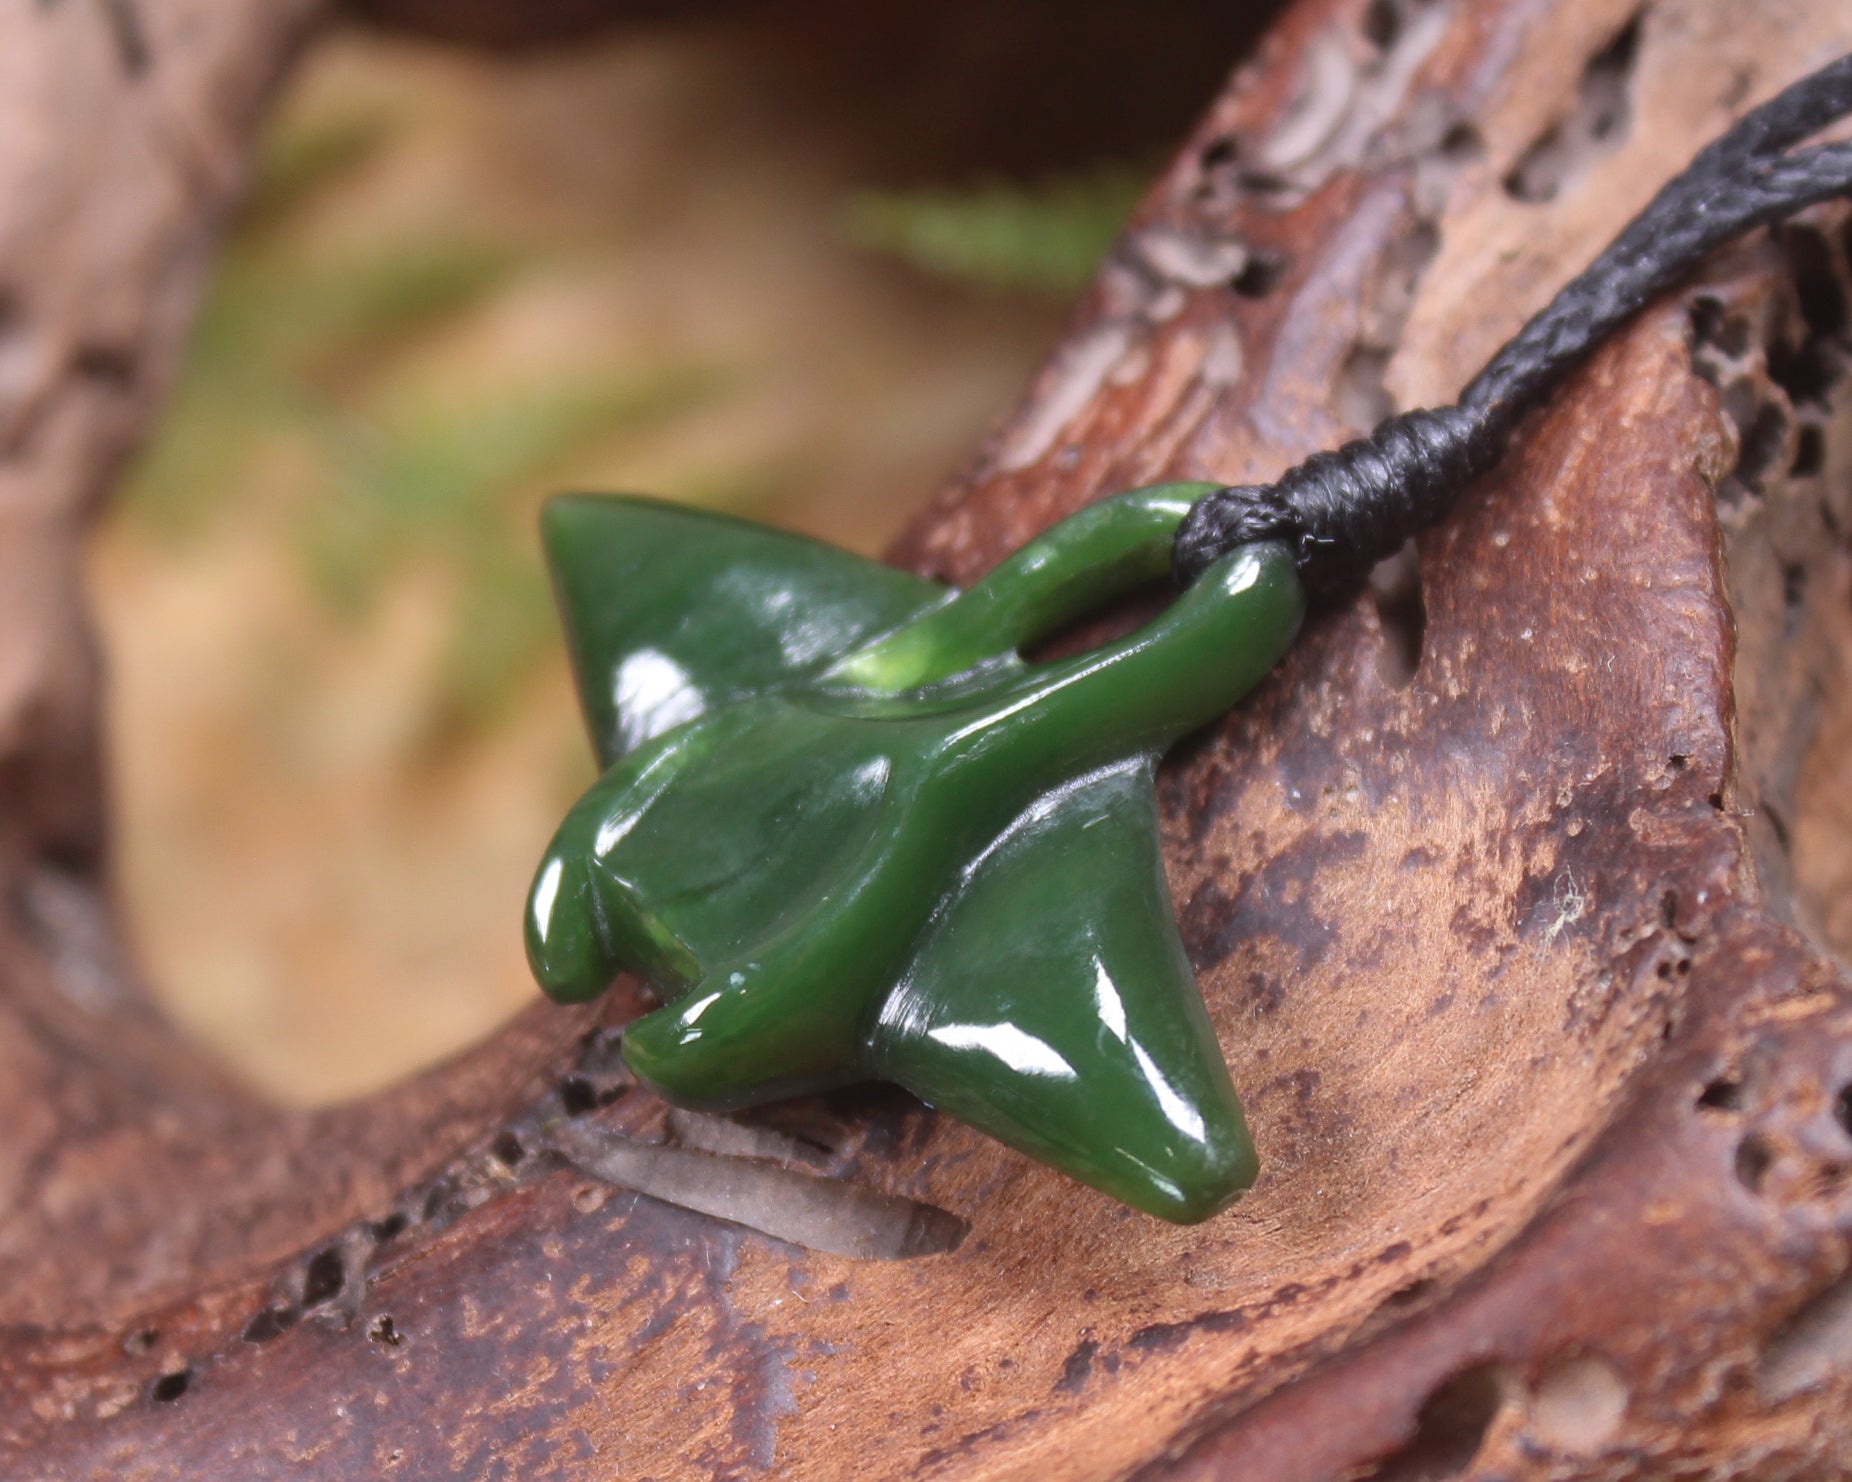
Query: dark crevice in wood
x=1259, y=277
x=1597, y=127
x=1725, y=1094
x=1450, y=1428
x=1754, y=1158
x=130, y=34
x=170, y=1387
x=1810, y=1347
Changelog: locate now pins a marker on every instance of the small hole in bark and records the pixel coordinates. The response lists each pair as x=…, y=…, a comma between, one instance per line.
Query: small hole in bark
x=1754, y=1158
x=390, y=1228
x=1450, y=1428
x=1598, y=124
x=383, y=1330
x=1260, y=277
x=1716, y=801
x=1842, y=1110
x=1809, y=453
x=1763, y=440
x=323, y=1279
x=1794, y=592
x=1463, y=143
x=507, y=1149
x=272, y=1322
x=577, y=1096
x=1807, y=371
x=1714, y=327
x=1677, y=762
x=1382, y=24
x=1722, y=1094
x=1817, y=285
x=141, y=1340
x=169, y=1387
x=1218, y=167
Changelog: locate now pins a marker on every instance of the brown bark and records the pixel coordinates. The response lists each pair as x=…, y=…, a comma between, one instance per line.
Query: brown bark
x=1497, y=889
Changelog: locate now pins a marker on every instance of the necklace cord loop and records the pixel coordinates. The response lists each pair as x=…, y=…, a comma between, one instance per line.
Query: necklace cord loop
x=1343, y=511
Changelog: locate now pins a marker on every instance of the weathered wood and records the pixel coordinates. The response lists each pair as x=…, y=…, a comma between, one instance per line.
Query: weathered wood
x=1495, y=889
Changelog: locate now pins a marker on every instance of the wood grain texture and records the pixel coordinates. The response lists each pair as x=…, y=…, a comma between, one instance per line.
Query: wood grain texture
x=1494, y=891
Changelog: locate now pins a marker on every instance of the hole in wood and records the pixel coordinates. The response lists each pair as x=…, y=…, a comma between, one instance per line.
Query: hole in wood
x=271, y=1323
x=1723, y=1094
x=170, y=1387
x=1754, y=1158
x=383, y=1330
x=1260, y=277
x=1809, y=452
x=1450, y=1428
x=1382, y=23
x=1597, y=126
x=323, y=1279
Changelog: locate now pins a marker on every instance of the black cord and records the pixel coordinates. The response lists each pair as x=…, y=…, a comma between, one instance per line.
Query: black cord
x=1346, y=510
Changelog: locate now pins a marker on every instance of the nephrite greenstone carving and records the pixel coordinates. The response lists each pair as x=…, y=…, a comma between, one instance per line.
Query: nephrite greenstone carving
x=852, y=834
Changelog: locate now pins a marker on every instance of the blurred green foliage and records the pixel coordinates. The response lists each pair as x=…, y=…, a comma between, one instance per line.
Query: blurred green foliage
x=313, y=356
x=1048, y=236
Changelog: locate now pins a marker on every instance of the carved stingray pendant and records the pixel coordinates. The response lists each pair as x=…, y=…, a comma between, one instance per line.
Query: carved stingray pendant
x=853, y=835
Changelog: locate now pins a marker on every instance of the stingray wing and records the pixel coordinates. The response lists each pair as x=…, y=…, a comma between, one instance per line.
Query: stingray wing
x=1052, y=1007
x=670, y=611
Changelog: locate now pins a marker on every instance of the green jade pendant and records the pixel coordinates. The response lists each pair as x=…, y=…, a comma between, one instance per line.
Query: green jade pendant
x=852, y=835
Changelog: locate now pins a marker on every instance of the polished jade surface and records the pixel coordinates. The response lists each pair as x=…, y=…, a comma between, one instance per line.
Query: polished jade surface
x=852, y=834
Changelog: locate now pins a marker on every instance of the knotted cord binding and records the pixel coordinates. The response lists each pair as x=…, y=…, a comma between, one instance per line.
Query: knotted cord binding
x=1343, y=511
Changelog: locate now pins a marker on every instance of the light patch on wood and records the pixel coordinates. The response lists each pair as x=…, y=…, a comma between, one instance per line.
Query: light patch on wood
x=818, y=1213
x=1078, y=373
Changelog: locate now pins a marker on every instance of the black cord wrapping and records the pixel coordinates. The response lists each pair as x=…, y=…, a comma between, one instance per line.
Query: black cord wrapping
x=1346, y=510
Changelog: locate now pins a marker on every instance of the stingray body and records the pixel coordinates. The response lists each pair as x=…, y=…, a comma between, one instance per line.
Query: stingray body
x=853, y=835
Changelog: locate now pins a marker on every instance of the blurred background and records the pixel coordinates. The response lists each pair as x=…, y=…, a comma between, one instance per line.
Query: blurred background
x=786, y=266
